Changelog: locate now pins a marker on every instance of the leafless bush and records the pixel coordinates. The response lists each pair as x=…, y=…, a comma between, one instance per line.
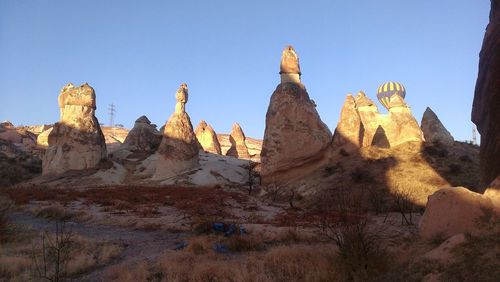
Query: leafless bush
x=360, y=252
x=404, y=204
x=50, y=263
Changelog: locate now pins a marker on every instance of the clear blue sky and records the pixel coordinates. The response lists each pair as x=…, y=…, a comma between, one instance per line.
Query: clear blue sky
x=136, y=53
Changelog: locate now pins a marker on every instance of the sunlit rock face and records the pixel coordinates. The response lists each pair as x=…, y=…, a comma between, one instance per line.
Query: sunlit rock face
x=485, y=109
x=455, y=210
x=294, y=134
x=349, y=131
x=178, y=150
x=75, y=142
x=289, y=66
x=144, y=137
x=433, y=129
x=207, y=138
x=361, y=124
x=238, y=147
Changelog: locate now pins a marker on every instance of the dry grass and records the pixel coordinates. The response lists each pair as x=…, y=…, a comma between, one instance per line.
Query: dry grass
x=284, y=263
x=143, y=201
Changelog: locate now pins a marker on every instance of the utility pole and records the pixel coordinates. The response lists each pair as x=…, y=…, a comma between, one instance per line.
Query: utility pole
x=112, y=111
x=474, y=136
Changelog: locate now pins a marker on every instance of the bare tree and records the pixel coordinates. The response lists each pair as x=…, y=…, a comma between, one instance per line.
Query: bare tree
x=50, y=263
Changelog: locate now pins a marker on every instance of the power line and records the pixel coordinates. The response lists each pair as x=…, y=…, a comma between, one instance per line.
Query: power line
x=112, y=112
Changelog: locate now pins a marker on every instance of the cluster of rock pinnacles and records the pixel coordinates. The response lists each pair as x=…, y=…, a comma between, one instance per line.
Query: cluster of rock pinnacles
x=295, y=136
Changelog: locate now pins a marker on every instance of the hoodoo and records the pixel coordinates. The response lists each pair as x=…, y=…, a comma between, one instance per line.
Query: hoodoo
x=178, y=150
x=76, y=142
x=294, y=134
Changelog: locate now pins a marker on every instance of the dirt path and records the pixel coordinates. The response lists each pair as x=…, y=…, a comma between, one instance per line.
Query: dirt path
x=139, y=245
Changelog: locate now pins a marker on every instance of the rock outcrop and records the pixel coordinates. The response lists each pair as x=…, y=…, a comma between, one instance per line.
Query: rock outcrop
x=362, y=125
x=76, y=142
x=457, y=210
x=294, y=134
x=178, y=150
x=433, y=129
x=238, y=147
x=485, y=111
x=350, y=130
x=144, y=137
x=207, y=138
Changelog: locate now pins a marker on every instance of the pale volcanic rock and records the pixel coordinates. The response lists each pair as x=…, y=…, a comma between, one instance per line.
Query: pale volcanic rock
x=42, y=140
x=433, y=129
x=289, y=66
x=362, y=125
x=254, y=145
x=178, y=150
x=238, y=147
x=294, y=134
x=457, y=210
x=349, y=131
x=114, y=137
x=76, y=142
x=485, y=111
x=143, y=137
x=207, y=138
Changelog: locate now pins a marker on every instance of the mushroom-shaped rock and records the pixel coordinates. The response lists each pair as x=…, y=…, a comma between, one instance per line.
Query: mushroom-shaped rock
x=238, y=147
x=289, y=66
x=207, y=138
x=182, y=97
x=294, y=134
x=143, y=137
x=433, y=129
x=178, y=150
x=76, y=142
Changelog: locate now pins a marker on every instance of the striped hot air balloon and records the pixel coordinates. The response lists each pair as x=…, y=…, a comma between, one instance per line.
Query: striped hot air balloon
x=389, y=89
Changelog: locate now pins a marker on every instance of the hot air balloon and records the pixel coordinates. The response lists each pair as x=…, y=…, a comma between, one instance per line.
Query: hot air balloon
x=388, y=90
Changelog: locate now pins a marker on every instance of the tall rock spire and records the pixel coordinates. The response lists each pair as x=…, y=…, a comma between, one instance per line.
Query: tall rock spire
x=294, y=134
x=178, y=150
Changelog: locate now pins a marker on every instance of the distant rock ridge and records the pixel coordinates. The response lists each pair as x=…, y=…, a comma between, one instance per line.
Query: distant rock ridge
x=178, y=150
x=361, y=124
x=294, y=134
x=238, y=147
x=76, y=142
x=207, y=138
x=433, y=129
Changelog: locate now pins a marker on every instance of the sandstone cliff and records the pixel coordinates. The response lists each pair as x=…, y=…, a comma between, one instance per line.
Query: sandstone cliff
x=485, y=111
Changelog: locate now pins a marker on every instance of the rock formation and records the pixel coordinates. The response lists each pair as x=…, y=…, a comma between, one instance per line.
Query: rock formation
x=143, y=137
x=485, y=112
x=238, y=147
x=294, y=134
x=207, y=138
x=178, y=150
x=456, y=210
x=361, y=124
x=433, y=129
x=349, y=131
x=76, y=141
